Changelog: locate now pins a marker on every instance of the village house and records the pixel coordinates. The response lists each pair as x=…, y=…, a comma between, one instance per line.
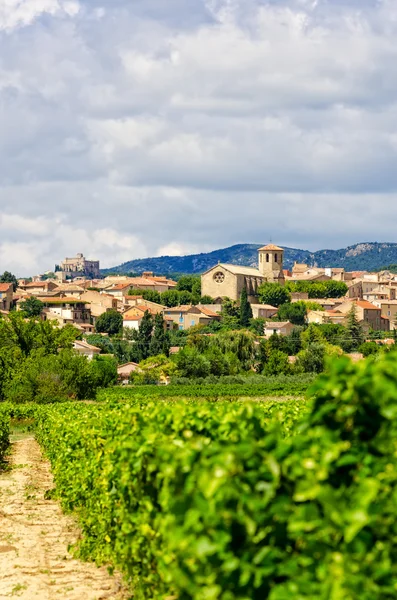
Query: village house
x=228, y=281
x=185, y=317
x=130, y=301
x=263, y=311
x=84, y=349
x=278, y=327
x=65, y=310
x=99, y=303
x=37, y=287
x=124, y=371
x=388, y=311
x=6, y=296
x=368, y=314
x=382, y=292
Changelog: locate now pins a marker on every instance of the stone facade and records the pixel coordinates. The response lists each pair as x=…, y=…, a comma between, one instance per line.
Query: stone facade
x=228, y=281
x=78, y=266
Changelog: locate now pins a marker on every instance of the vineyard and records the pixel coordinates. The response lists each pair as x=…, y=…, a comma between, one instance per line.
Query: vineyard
x=274, y=386
x=235, y=500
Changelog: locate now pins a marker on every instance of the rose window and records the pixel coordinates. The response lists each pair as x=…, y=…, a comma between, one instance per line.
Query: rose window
x=219, y=277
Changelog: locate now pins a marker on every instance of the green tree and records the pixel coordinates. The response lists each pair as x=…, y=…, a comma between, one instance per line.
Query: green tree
x=354, y=335
x=312, y=358
x=245, y=309
x=160, y=341
x=110, y=322
x=32, y=307
x=230, y=313
x=144, y=337
x=170, y=298
x=295, y=312
x=312, y=335
x=368, y=348
x=273, y=294
x=189, y=283
x=277, y=364
x=190, y=363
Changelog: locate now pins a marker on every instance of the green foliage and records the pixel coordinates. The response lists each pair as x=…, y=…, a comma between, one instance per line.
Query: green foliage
x=273, y=294
x=277, y=363
x=294, y=312
x=368, y=348
x=312, y=335
x=320, y=289
x=119, y=469
x=217, y=500
x=32, y=307
x=189, y=283
x=354, y=334
x=110, y=322
x=312, y=358
x=160, y=342
x=211, y=388
x=245, y=309
x=37, y=363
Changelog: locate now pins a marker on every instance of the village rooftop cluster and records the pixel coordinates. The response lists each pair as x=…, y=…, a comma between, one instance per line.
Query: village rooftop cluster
x=76, y=294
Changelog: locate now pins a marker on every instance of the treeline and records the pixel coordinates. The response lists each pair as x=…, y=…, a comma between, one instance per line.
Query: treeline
x=38, y=363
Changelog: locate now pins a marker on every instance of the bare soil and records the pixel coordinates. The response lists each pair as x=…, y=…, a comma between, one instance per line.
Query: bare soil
x=35, y=535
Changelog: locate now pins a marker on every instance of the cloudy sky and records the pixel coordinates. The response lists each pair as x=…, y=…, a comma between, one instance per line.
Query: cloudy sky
x=132, y=128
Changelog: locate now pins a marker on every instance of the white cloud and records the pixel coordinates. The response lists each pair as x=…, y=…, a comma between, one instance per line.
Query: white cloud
x=133, y=128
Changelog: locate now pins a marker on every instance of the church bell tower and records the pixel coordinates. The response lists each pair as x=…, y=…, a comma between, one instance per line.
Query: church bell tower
x=270, y=262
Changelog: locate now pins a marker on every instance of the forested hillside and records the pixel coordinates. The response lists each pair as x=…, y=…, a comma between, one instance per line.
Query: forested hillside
x=363, y=256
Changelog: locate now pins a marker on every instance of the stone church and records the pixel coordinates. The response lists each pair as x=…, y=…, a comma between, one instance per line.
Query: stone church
x=228, y=281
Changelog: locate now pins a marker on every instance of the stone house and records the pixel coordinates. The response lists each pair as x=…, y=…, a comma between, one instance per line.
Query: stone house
x=85, y=349
x=185, y=317
x=65, y=310
x=228, y=281
x=124, y=371
x=38, y=287
x=367, y=313
x=278, y=327
x=263, y=311
x=6, y=296
x=99, y=303
x=388, y=311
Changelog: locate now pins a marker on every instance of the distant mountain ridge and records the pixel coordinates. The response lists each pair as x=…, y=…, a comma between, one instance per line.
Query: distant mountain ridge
x=365, y=256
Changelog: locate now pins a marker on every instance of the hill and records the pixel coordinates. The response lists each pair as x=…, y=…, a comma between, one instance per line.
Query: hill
x=367, y=256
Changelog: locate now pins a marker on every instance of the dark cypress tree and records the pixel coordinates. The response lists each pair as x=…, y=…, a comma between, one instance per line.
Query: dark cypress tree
x=245, y=309
x=144, y=337
x=160, y=342
x=354, y=330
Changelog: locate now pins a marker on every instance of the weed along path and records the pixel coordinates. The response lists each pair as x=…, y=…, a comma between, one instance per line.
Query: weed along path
x=34, y=538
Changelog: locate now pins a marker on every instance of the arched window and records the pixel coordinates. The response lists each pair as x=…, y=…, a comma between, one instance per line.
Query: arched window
x=261, y=258
x=267, y=258
x=275, y=258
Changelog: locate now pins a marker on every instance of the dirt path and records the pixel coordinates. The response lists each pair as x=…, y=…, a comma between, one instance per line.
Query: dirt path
x=34, y=537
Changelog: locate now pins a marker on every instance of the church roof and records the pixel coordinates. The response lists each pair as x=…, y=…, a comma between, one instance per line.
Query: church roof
x=241, y=270
x=271, y=247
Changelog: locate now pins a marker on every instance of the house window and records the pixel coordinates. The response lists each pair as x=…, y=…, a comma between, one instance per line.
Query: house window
x=180, y=327
x=192, y=323
x=388, y=313
x=181, y=319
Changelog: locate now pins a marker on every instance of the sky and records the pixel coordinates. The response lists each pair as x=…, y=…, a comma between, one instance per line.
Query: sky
x=134, y=128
